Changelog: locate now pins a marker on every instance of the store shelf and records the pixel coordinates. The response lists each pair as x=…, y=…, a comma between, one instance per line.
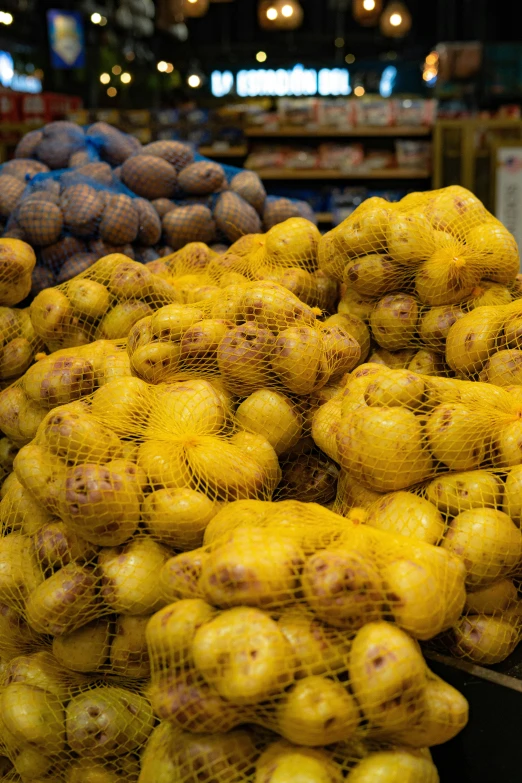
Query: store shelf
x=289, y=174
x=360, y=132
x=230, y=152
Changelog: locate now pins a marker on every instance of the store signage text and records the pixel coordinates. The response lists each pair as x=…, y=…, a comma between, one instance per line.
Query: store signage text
x=16, y=81
x=298, y=81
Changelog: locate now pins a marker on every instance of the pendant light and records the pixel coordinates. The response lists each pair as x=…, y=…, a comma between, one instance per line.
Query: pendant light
x=395, y=20
x=367, y=12
x=195, y=8
x=280, y=14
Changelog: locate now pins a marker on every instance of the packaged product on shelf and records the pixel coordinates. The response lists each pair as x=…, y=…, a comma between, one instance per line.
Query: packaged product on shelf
x=413, y=154
x=415, y=111
x=374, y=111
x=335, y=113
x=342, y=157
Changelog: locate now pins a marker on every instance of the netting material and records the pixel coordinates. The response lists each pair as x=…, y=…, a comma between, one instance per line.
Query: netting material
x=18, y=343
x=17, y=261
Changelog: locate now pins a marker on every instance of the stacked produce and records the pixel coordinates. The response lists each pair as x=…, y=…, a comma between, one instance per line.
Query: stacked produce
x=77, y=195
x=414, y=268
x=175, y=605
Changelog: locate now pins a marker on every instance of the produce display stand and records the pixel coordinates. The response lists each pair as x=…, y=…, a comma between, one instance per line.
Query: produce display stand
x=489, y=749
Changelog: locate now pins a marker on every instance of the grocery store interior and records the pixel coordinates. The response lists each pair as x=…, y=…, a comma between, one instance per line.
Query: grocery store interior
x=260, y=391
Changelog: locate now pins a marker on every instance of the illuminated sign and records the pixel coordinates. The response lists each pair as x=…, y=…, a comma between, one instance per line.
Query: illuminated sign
x=298, y=81
x=16, y=81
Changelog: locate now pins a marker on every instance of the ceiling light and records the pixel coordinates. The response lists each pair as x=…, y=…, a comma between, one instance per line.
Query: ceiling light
x=287, y=11
x=6, y=17
x=194, y=81
x=162, y=66
x=116, y=69
x=112, y=92
x=359, y=91
x=169, y=68
x=369, y=5
x=271, y=13
x=261, y=57
x=96, y=18
x=126, y=78
x=396, y=20
x=105, y=78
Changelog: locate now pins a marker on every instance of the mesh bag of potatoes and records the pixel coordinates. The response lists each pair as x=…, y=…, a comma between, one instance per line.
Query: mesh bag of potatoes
x=411, y=269
x=295, y=620
x=18, y=343
x=248, y=756
x=17, y=260
x=251, y=335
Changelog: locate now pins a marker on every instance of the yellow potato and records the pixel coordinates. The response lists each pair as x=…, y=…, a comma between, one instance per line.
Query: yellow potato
x=410, y=239
x=244, y=356
x=488, y=293
x=507, y=445
x=383, y=448
x=485, y=639
x=456, y=436
x=296, y=358
x=117, y=322
x=343, y=587
x=395, y=388
x=341, y=352
x=227, y=472
x=471, y=340
x=64, y=601
x=251, y=567
x=107, y=721
x=317, y=711
x=42, y=671
x=427, y=363
x=395, y=766
x=15, y=634
x=373, y=275
x=122, y=404
x=84, y=650
x=408, y=515
x=200, y=341
x=243, y=654
x=271, y=414
x=258, y=447
x=178, y=517
x=364, y=231
x=388, y=676
x=354, y=326
x=394, y=321
x=352, y=304
x=129, y=576
x=100, y=504
x=504, y=368
x=455, y=209
x=317, y=647
x=179, y=577
x=19, y=511
x=164, y=464
x=487, y=541
x=88, y=772
x=415, y=597
x=76, y=436
x=56, y=380
x=456, y=492
x=15, y=358
x=34, y=717
x=88, y=298
x=51, y=313
x=243, y=513
x=512, y=505
x=351, y=494
x=129, y=654
x=493, y=598
x=170, y=632
x=274, y=307
x=156, y=362
x=20, y=573
x=172, y=321
x=447, y=277
x=55, y=545
x=395, y=360
x=282, y=762
x=497, y=250
x=186, y=407
x=295, y=238
x=435, y=324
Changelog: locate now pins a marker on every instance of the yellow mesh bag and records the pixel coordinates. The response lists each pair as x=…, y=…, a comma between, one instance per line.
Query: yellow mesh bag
x=289, y=606
x=101, y=303
x=18, y=343
x=395, y=429
x=58, y=725
x=61, y=377
x=245, y=756
x=187, y=272
x=17, y=260
x=253, y=335
x=413, y=268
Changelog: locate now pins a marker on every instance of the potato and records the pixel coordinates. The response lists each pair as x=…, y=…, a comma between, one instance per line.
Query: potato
x=179, y=577
x=415, y=597
x=395, y=388
x=274, y=307
x=394, y=321
x=51, y=313
x=448, y=276
x=54, y=546
x=351, y=303
x=395, y=766
x=244, y=355
x=99, y=504
x=435, y=325
x=201, y=340
x=19, y=571
x=260, y=449
x=76, y=436
x=242, y=653
x=234, y=216
x=456, y=492
x=129, y=655
x=484, y=639
x=493, y=598
x=178, y=517
x=192, y=223
x=355, y=327
x=456, y=436
x=170, y=632
x=82, y=207
x=193, y=407
x=317, y=647
x=472, y=339
x=372, y=275
x=41, y=221
x=497, y=250
x=107, y=721
x=326, y=423
x=117, y=322
x=89, y=772
x=504, y=368
x=317, y=711
x=15, y=358
x=129, y=576
x=388, y=676
x=251, y=568
x=165, y=464
x=285, y=763
x=408, y=515
x=310, y=478
x=120, y=221
x=242, y=512
x=299, y=360
x=343, y=587
x=227, y=472
x=63, y=602
x=271, y=414
x=383, y=448
x=488, y=542
x=353, y=495
x=12, y=189
x=341, y=352
x=122, y=404
x=85, y=649
x=33, y=717
x=410, y=239
x=202, y=177
x=248, y=185
x=149, y=176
